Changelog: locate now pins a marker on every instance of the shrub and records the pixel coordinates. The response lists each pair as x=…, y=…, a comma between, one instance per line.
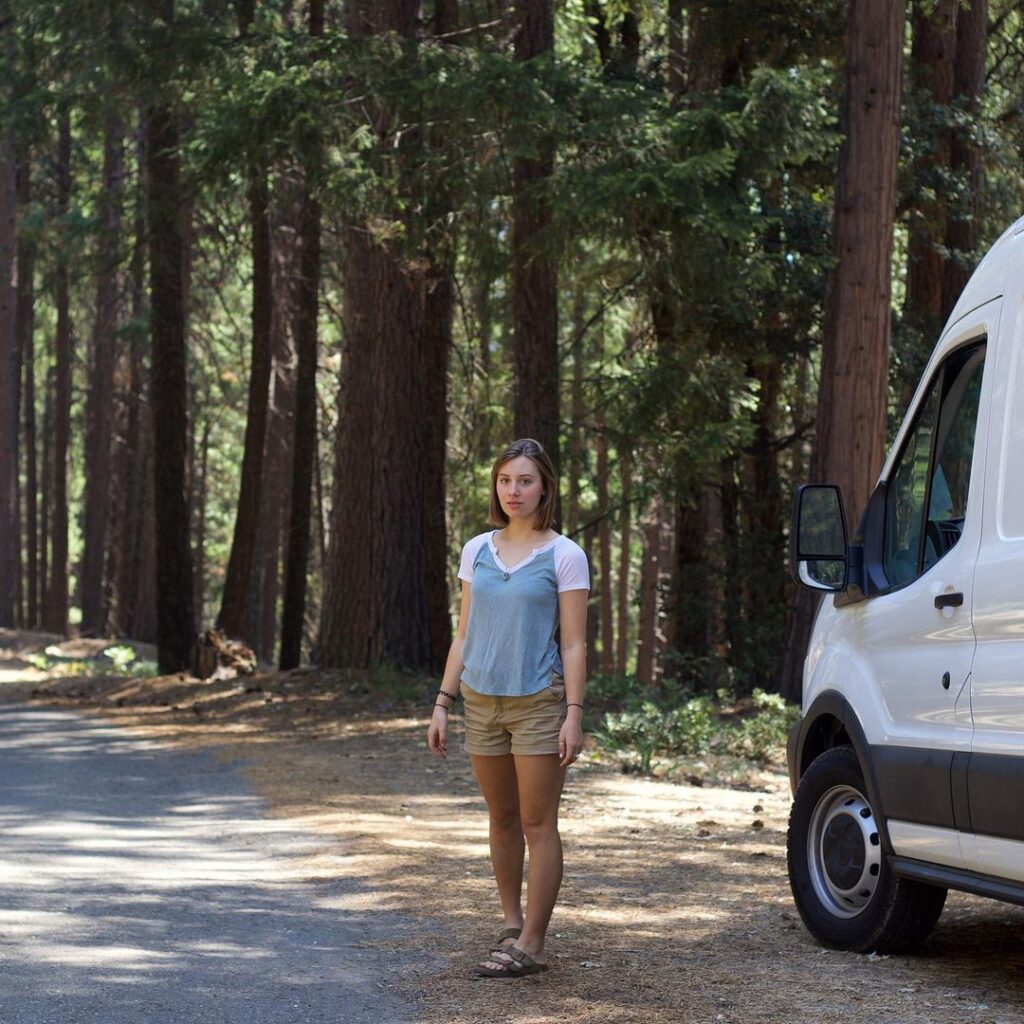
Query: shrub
x=650, y=729
x=763, y=734
x=672, y=722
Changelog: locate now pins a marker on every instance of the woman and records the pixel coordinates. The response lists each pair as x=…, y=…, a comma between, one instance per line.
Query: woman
x=519, y=658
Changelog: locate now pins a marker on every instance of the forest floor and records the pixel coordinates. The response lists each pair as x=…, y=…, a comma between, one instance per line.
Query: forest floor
x=675, y=906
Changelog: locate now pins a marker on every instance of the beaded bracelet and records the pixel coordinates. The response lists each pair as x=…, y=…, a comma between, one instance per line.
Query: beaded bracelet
x=445, y=693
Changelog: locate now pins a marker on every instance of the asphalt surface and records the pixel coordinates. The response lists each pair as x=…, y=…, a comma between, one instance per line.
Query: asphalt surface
x=145, y=885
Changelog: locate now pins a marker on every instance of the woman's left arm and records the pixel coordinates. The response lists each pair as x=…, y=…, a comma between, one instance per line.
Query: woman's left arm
x=572, y=627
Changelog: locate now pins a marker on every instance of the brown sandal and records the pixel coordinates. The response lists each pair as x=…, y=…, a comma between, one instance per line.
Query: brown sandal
x=506, y=938
x=514, y=963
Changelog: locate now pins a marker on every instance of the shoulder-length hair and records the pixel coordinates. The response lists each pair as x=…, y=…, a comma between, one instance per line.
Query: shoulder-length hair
x=534, y=451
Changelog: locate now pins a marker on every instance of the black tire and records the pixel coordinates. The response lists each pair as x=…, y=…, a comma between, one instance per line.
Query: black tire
x=845, y=892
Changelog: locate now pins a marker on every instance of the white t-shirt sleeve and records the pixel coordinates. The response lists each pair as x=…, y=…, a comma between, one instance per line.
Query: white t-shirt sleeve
x=469, y=552
x=571, y=568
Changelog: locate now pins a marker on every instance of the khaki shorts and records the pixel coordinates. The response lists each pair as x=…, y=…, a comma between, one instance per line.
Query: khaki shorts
x=514, y=725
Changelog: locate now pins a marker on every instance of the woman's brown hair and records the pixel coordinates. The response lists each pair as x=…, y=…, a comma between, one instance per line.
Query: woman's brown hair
x=534, y=451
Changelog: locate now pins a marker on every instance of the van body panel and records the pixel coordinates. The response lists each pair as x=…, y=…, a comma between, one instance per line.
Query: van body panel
x=925, y=842
x=1000, y=858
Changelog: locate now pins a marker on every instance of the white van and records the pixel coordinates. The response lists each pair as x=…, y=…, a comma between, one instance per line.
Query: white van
x=907, y=765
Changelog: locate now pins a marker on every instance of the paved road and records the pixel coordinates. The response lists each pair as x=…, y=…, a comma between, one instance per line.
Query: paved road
x=144, y=885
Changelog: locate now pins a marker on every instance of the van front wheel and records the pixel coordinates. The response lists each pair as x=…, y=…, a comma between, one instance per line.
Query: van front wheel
x=846, y=894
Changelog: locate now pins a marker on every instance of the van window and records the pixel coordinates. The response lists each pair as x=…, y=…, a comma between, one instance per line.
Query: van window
x=926, y=501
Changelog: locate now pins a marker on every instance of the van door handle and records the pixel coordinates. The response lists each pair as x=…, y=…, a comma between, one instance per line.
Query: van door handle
x=953, y=600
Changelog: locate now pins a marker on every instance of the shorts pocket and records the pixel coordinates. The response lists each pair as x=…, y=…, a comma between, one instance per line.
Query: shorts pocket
x=556, y=690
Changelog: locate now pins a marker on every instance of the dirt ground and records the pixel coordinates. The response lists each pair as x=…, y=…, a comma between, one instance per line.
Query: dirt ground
x=675, y=905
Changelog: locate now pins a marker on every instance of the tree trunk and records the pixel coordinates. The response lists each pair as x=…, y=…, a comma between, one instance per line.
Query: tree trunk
x=648, y=618
x=199, y=544
x=577, y=414
x=277, y=471
x=604, y=547
x=46, y=495
x=676, y=80
x=27, y=348
x=379, y=601
x=304, y=447
x=375, y=603
x=931, y=64
x=965, y=152
x=133, y=549
x=232, y=617
x=691, y=618
x=99, y=407
x=625, y=541
x=168, y=389
x=437, y=340
x=55, y=614
x=853, y=389
x=9, y=368
x=534, y=275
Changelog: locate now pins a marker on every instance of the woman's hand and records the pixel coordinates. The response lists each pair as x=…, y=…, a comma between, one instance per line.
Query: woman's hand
x=570, y=738
x=437, y=734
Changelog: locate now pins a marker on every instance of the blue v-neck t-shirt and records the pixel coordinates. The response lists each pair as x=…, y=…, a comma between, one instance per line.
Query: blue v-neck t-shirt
x=510, y=648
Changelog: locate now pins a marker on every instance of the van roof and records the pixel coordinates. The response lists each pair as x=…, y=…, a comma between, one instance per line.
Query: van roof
x=987, y=281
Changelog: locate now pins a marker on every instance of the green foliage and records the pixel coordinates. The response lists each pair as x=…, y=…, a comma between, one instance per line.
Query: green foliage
x=663, y=725
x=117, y=660
x=762, y=735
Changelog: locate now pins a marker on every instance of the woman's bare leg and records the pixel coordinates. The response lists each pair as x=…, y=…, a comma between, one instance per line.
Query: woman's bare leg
x=540, y=790
x=496, y=775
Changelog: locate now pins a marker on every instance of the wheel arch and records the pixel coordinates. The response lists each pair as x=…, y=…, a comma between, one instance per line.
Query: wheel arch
x=830, y=722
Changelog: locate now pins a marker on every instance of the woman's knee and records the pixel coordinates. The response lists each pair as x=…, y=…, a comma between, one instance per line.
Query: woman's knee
x=505, y=818
x=539, y=827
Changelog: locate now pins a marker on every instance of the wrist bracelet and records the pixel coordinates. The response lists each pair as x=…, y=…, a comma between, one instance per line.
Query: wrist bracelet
x=445, y=693
x=574, y=705
x=438, y=704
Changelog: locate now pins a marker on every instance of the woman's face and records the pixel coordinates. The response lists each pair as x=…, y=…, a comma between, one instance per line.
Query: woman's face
x=519, y=488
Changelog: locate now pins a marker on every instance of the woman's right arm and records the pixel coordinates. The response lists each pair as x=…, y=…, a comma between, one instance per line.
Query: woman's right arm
x=437, y=733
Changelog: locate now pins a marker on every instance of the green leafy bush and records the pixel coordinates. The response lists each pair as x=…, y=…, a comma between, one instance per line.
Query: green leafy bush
x=762, y=734
x=669, y=723
x=650, y=729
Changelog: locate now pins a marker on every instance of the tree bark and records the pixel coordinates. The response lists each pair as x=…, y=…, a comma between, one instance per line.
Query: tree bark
x=26, y=346
x=304, y=447
x=625, y=542
x=9, y=368
x=647, y=621
x=46, y=484
x=534, y=274
x=168, y=388
x=931, y=62
x=604, y=547
x=232, y=617
x=577, y=412
x=965, y=152
x=200, y=487
x=305, y=438
x=55, y=613
x=384, y=571
x=853, y=389
x=277, y=472
x=133, y=550
x=99, y=406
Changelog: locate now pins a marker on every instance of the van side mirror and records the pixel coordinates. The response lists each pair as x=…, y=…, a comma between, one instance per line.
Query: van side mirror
x=818, y=539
